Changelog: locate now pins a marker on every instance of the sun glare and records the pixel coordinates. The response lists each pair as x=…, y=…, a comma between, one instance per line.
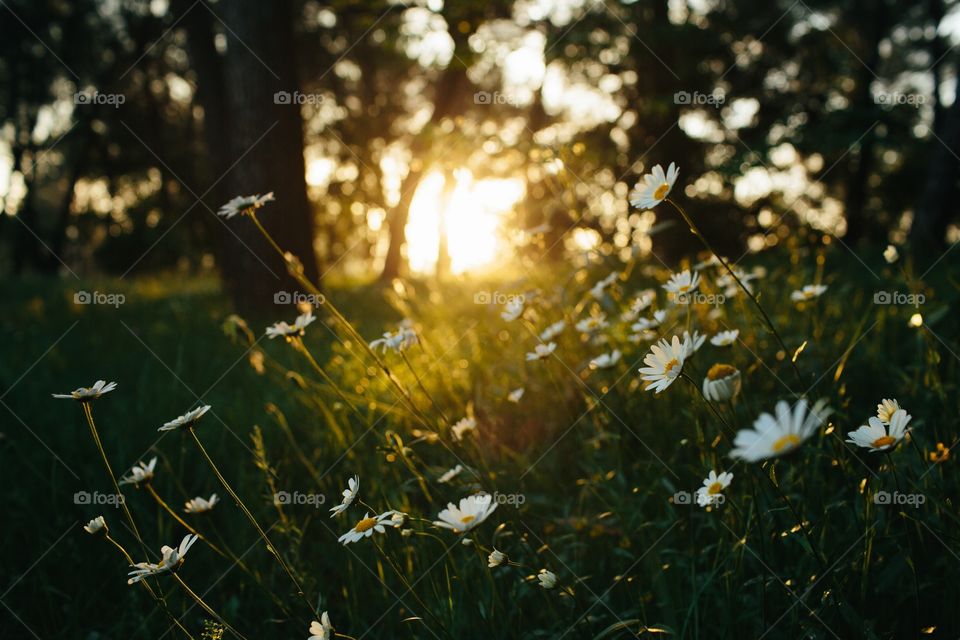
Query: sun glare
x=473, y=220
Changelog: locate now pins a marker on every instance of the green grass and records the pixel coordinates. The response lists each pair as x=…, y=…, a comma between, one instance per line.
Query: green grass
x=595, y=458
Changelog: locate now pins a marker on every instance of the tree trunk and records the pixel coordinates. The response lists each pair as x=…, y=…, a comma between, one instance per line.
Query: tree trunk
x=936, y=203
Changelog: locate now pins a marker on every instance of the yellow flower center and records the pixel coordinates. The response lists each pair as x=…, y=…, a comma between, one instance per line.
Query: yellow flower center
x=365, y=525
x=667, y=368
x=786, y=442
x=662, y=191
x=720, y=370
x=468, y=519
x=683, y=288
x=715, y=488
x=884, y=441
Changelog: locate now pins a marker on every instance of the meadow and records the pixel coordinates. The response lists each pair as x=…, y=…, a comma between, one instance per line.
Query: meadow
x=514, y=477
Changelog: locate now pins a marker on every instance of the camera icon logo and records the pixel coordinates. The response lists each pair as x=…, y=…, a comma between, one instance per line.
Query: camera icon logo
x=482, y=97
x=282, y=97
x=82, y=97
x=282, y=297
x=482, y=297
x=682, y=497
x=82, y=297
x=82, y=497
x=882, y=297
x=281, y=497
x=681, y=97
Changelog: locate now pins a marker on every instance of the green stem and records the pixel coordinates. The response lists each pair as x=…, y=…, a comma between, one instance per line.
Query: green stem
x=203, y=605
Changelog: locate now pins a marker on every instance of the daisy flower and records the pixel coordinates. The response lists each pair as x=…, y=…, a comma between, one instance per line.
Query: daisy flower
x=643, y=301
x=693, y=342
x=187, y=420
x=321, y=630
x=200, y=505
x=808, y=292
x=878, y=436
x=512, y=310
x=606, y=360
x=890, y=254
x=664, y=363
x=463, y=427
x=591, y=324
x=515, y=395
x=722, y=383
x=496, y=558
x=655, y=187
x=542, y=351
x=644, y=324
x=774, y=436
x=886, y=409
x=711, y=492
x=365, y=528
x=450, y=474
x=553, y=331
x=548, y=579
x=170, y=562
x=725, y=338
x=472, y=511
x=399, y=340
x=349, y=495
x=298, y=328
x=96, y=525
x=86, y=394
x=680, y=284
x=597, y=290
x=244, y=204
x=140, y=473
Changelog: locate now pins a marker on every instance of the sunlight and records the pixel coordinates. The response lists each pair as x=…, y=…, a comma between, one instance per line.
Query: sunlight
x=473, y=220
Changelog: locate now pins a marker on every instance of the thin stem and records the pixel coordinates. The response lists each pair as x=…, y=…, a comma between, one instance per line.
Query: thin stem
x=203, y=605
x=423, y=388
x=183, y=523
x=297, y=343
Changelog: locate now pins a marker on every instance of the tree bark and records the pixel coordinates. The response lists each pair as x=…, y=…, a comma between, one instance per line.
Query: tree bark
x=937, y=204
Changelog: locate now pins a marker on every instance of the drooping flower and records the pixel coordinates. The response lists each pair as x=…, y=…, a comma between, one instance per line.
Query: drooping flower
x=170, y=561
x=201, y=505
x=463, y=427
x=725, y=338
x=683, y=283
x=87, y=394
x=722, y=383
x=496, y=558
x=450, y=474
x=187, y=420
x=399, y=340
x=349, y=495
x=96, y=525
x=890, y=254
x=298, y=328
x=471, y=512
x=365, y=527
x=655, y=187
x=808, y=292
x=645, y=324
x=664, y=364
x=513, y=309
x=886, y=409
x=692, y=343
x=140, y=473
x=515, y=395
x=606, y=360
x=773, y=436
x=548, y=579
x=244, y=204
x=553, y=330
x=711, y=492
x=321, y=630
x=878, y=436
x=542, y=351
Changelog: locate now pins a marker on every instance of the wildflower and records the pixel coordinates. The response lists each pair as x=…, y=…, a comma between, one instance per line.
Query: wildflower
x=886, y=409
x=96, y=525
x=729, y=283
x=942, y=454
x=140, y=473
x=553, y=330
x=397, y=518
x=463, y=427
x=597, y=290
x=643, y=301
x=513, y=309
x=725, y=338
x=200, y=505
x=472, y=511
x=878, y=436
x=244, y=204
x=496, y=558
x=774, y=436
x=515, y=395
x=349, y=495
x=542, y=351
x=591, y=324
x=187, y=420
x=808, y=292
x=170, y=562
x=712, y=490
x=321, y=630
x=655, y=188
x=645, y=324
x=683, y=283
x=606, y=360
x=401, y=339
x=692, y=343
x=664, y=364
x=450, y=474
x=890, y=254
x=548, y=579
x=365, y=528
x=722, y=383
x=86, y=394
x=298, y=328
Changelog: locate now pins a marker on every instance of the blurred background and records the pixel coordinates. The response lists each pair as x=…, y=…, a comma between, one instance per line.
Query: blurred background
x=440, y=138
